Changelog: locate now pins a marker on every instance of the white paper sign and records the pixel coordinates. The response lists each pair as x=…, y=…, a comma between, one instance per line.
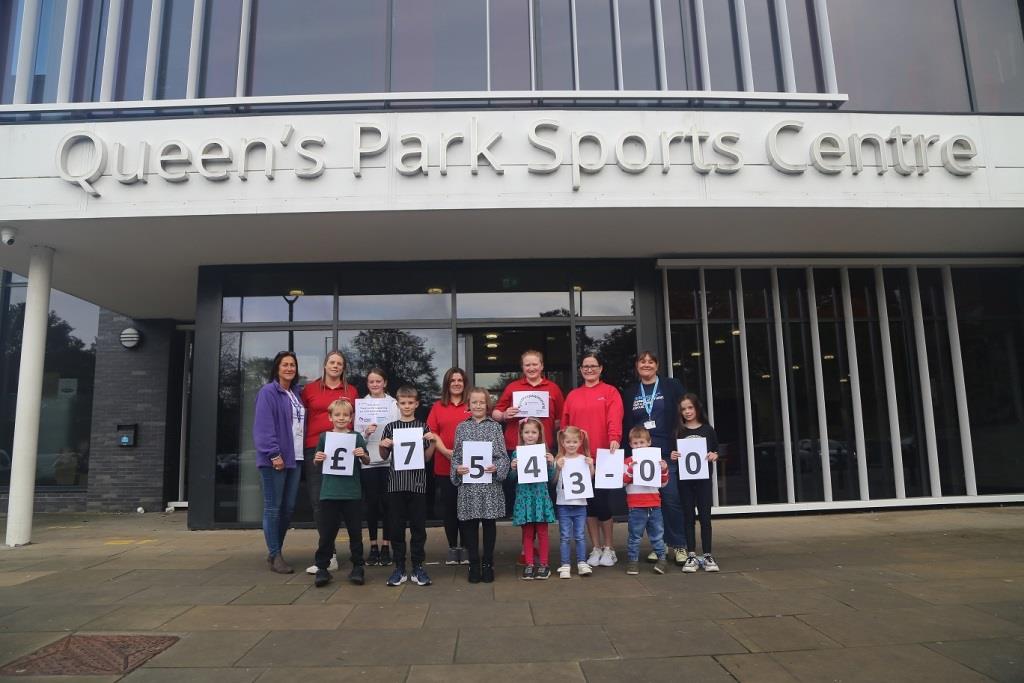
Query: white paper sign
x=407, y=448
x=532, y=464
x=372, y=411
x=531, y=403
x=476, y=455
x=693, y=458
x=610, y=467
x=647, y=467
x=576, y=479
x=340, y=460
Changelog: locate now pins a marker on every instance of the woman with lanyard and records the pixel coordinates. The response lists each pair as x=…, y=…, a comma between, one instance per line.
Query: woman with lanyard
x=316, y=396
x=278, y=428
x=653, y=403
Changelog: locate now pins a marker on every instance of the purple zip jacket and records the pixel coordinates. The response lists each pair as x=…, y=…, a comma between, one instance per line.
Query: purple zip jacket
x=272, y=425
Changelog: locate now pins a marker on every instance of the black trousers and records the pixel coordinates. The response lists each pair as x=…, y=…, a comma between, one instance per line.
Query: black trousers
x=696, y=498
x=449, y=512
x=410, y=509
x=313, y=474
x=332, y=514
x=471, y=537
x=375, y=499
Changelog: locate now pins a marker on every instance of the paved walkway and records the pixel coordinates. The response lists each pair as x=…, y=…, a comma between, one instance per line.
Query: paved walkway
x=935, y=595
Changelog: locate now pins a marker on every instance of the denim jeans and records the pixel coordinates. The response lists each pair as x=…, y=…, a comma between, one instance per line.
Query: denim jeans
x=672, y=508
x=280, y=489
x=651, y=521
x=572, y=520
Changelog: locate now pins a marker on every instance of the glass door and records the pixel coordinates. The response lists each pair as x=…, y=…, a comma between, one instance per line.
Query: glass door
x=491, y=355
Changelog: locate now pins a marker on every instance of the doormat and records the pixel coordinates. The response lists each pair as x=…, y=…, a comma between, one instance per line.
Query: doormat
x=89, y=655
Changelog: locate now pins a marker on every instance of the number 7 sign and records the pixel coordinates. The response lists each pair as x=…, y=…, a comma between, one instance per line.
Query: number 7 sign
x=407, y=448
x=693, y=458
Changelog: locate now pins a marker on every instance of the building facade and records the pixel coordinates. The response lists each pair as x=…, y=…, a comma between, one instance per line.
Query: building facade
x=812, y=210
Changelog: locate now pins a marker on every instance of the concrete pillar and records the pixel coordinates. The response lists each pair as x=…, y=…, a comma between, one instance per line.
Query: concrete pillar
x=30, y=393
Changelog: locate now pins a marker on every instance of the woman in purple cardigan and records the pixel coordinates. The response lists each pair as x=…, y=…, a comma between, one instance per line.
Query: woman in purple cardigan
x=277, y=432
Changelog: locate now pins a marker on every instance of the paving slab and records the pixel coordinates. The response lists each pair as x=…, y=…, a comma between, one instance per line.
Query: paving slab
x=469, y=615
x=260, y=618
x=341, y=674
x=213, y=675
x=775, y=602
x=346, y=648
x=497, y=673
x=16, y=578
x=530, y=643
x=791, y=579
x=207, y=649
x=270, y=595
x=1001, y=659
x=686, y=637
x=698, y=669
x=185, y=595
x=904, y=663
x=386, y=616
x=755, y=668
x=15, y=645
x=964, y=591
x=135, y=618
x=866, y=595
x=1009, y=611
x=52, y=617
x=642, y=609
x=775, y=634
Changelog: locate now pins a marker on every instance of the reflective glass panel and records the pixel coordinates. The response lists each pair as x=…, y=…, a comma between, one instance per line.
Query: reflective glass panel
x=219, y=70
x=594, y=46
x=995, y=45
x=804, y=41
x=680, y=62
x=688, y=358
x=418, y=357
x=92, y=35
x=616, y=344
x=723, y=55
x=764, y=45
x=10, y=20
x=507, y=290
x=439, y=45
x=281, y=297
x=495, y=356
x=553, y=42
x=639, y=51
x=131, y=57
x=388, y=293
x=172, y=73
x=510, y=45
x=49, y=41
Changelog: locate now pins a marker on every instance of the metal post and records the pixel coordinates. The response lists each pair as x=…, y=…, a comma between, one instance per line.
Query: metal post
x=851, y=359
x=617, y=38
x=963, y=416
x=26, y=71
x=748, y=422
x=659, y=42
x=819, y=386
x=110, y=50
x=487, y=40
x=68, y=50
x=924, y=378
x=743, y=38
x=156, y=20
x=668, y=322
x=195, y=49
x=533, y=50
x=710, y=398
x=785, y=46
x=244, y=36
x=780, y=360
x=575, y=46
x=702, y=45
x=895, y=442
x=828, y=62
x=30, y=395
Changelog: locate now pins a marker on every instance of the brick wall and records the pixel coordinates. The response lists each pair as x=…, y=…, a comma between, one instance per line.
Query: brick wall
x=130, y=387
x=53, y=500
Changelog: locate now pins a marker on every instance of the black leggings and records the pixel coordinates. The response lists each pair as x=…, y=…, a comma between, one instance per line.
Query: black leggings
x=471, y=537
x=696, y=497
x=375, y=499
x=449, y=512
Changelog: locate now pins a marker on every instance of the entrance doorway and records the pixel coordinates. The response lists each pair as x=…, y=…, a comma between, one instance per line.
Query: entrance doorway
x=491, y=355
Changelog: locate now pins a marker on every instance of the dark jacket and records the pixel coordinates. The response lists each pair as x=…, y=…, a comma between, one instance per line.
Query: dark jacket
x=665, y=433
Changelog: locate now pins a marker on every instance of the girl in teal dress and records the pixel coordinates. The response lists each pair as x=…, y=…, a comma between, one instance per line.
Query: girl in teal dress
x=533, y=510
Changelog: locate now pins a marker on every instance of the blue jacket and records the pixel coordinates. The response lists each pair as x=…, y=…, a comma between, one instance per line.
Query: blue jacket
x=272, y=424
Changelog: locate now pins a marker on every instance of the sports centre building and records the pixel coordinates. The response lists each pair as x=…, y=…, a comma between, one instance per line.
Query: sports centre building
x=812, y=210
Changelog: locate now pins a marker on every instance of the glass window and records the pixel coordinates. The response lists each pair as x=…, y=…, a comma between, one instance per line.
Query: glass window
x=995, y=44
x=10, y=21
x=172, y=74
x=594, y=45
x=349, y=40
x=553, y=39
x=439, y=45
x=616, y=344
x=49, y=40
x=395, y=293
x=680, y=65
x=688, y=357
x=992, y=348
x=804, y=41
x=495, y=356
x=131, y=58
x=764, y=45
x=510, y=45
x=418, y=357
x=639, y=51
x=899, y=55
x=92, y=35
x=723, y=51
x=277, y=297
x=220, y=49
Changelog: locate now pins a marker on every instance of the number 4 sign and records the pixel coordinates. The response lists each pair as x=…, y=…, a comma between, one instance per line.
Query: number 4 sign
x=531, y=464
x=693, y=458
x=407, y=448
x=339, y=460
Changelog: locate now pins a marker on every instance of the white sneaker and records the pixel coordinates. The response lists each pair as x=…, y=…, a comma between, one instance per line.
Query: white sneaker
x=595, y=557
x=691, y=564
x=311, y=569
x=584, y=569
x=680, y=556
x=608, y=557
x=709, y=563
x=564, y=572
x=332, y=566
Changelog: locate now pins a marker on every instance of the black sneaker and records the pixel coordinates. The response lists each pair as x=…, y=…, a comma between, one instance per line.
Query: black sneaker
x=543, y=573
x=528, y=573
x=323, y=577
x=487, y=573
x=357, y=575
x=373, y=559
x=474, y=573
x=385, y=556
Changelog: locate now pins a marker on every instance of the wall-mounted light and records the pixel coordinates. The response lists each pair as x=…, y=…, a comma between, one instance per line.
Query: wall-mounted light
x=828, y=356
x=735, y=333
x=492, y=358
x=796, y=367
x=130, y=337
x=491, y=345
x=694, y=354
x=295, y=293
x=435, y=290
x=719, y=341
x=491, y=335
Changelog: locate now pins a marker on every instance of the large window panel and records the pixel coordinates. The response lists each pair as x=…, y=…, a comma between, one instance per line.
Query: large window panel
x=639, y=48
x=344, y=47
x=552, y=21
x=595, y=48
x=439, y=45
x=764, y=45
x=418, y=357
x=92, y=34
x=10, y=20
x=131, y=58
x=995, y=45
x=680, y=57
x=510, y=45
x=219, y=72
x=616, y=344
x=172, y=73
x=899, y=55
x=285, y=297
x=49, y=40
x=803, y=38
x=723, y=49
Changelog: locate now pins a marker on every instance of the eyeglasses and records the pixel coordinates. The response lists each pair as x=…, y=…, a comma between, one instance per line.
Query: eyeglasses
x=590, y=367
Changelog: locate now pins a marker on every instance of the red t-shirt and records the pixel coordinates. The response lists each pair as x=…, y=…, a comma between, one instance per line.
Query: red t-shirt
x=442, y=421
x=316, y=397
x=555, y=401
x=597, y=410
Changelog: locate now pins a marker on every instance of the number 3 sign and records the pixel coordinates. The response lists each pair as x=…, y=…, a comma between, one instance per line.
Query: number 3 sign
x=576, y=479
x=693, y=458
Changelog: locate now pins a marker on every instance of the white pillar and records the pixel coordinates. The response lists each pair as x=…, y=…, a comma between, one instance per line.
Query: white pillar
x=156, y=20
x=110, y=50
x=68, y=50
x=30, y=393
x=195, y=50
x=25, y=74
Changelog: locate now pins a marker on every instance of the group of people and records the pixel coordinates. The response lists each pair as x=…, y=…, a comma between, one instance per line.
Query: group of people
x=290, y=433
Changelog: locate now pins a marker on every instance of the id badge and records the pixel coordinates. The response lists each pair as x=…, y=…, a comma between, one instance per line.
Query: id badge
x=650, y=424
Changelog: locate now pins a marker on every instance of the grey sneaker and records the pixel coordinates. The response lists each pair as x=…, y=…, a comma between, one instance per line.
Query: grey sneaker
x=691, y=564
x=652, y=556
x=660, y=566
x=633, y=567
x=709, y=563
x=453, y=556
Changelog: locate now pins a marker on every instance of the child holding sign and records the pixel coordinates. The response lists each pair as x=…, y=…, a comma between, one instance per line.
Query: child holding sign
x=533, y=509
x=479, y=502
x=696, y=493
x=407, y=488
x=644, y=504
x=341, y=495
x=571, y=504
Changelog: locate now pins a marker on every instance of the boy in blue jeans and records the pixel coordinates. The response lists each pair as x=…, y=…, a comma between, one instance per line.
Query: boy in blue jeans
x=644, y=504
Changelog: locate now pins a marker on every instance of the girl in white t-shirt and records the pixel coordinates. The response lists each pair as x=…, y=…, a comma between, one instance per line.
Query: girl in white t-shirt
x=572, y=512
x=375, y=474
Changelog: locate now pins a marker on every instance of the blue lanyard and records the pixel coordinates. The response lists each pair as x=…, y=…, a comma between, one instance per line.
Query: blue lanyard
x=649, y=401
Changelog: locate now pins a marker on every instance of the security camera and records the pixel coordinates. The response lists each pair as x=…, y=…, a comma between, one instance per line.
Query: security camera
x=8, y=235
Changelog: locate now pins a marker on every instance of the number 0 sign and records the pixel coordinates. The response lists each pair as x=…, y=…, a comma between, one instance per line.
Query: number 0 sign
x=647, y=467
x=693, y=458
x=531, y=464
x=407, y=448
x=340, y=461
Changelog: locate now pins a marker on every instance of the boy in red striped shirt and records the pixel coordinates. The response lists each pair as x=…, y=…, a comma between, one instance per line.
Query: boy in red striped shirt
x=644, y=504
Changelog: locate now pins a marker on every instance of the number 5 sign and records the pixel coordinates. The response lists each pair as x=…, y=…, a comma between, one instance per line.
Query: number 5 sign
x=476, y=455
x=339, y=460
x=531, y=464
x=693, y=458
x=407, y=448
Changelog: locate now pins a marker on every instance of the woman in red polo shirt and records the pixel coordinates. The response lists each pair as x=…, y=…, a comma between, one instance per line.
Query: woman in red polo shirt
x=445, y=416
x=316, y=396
